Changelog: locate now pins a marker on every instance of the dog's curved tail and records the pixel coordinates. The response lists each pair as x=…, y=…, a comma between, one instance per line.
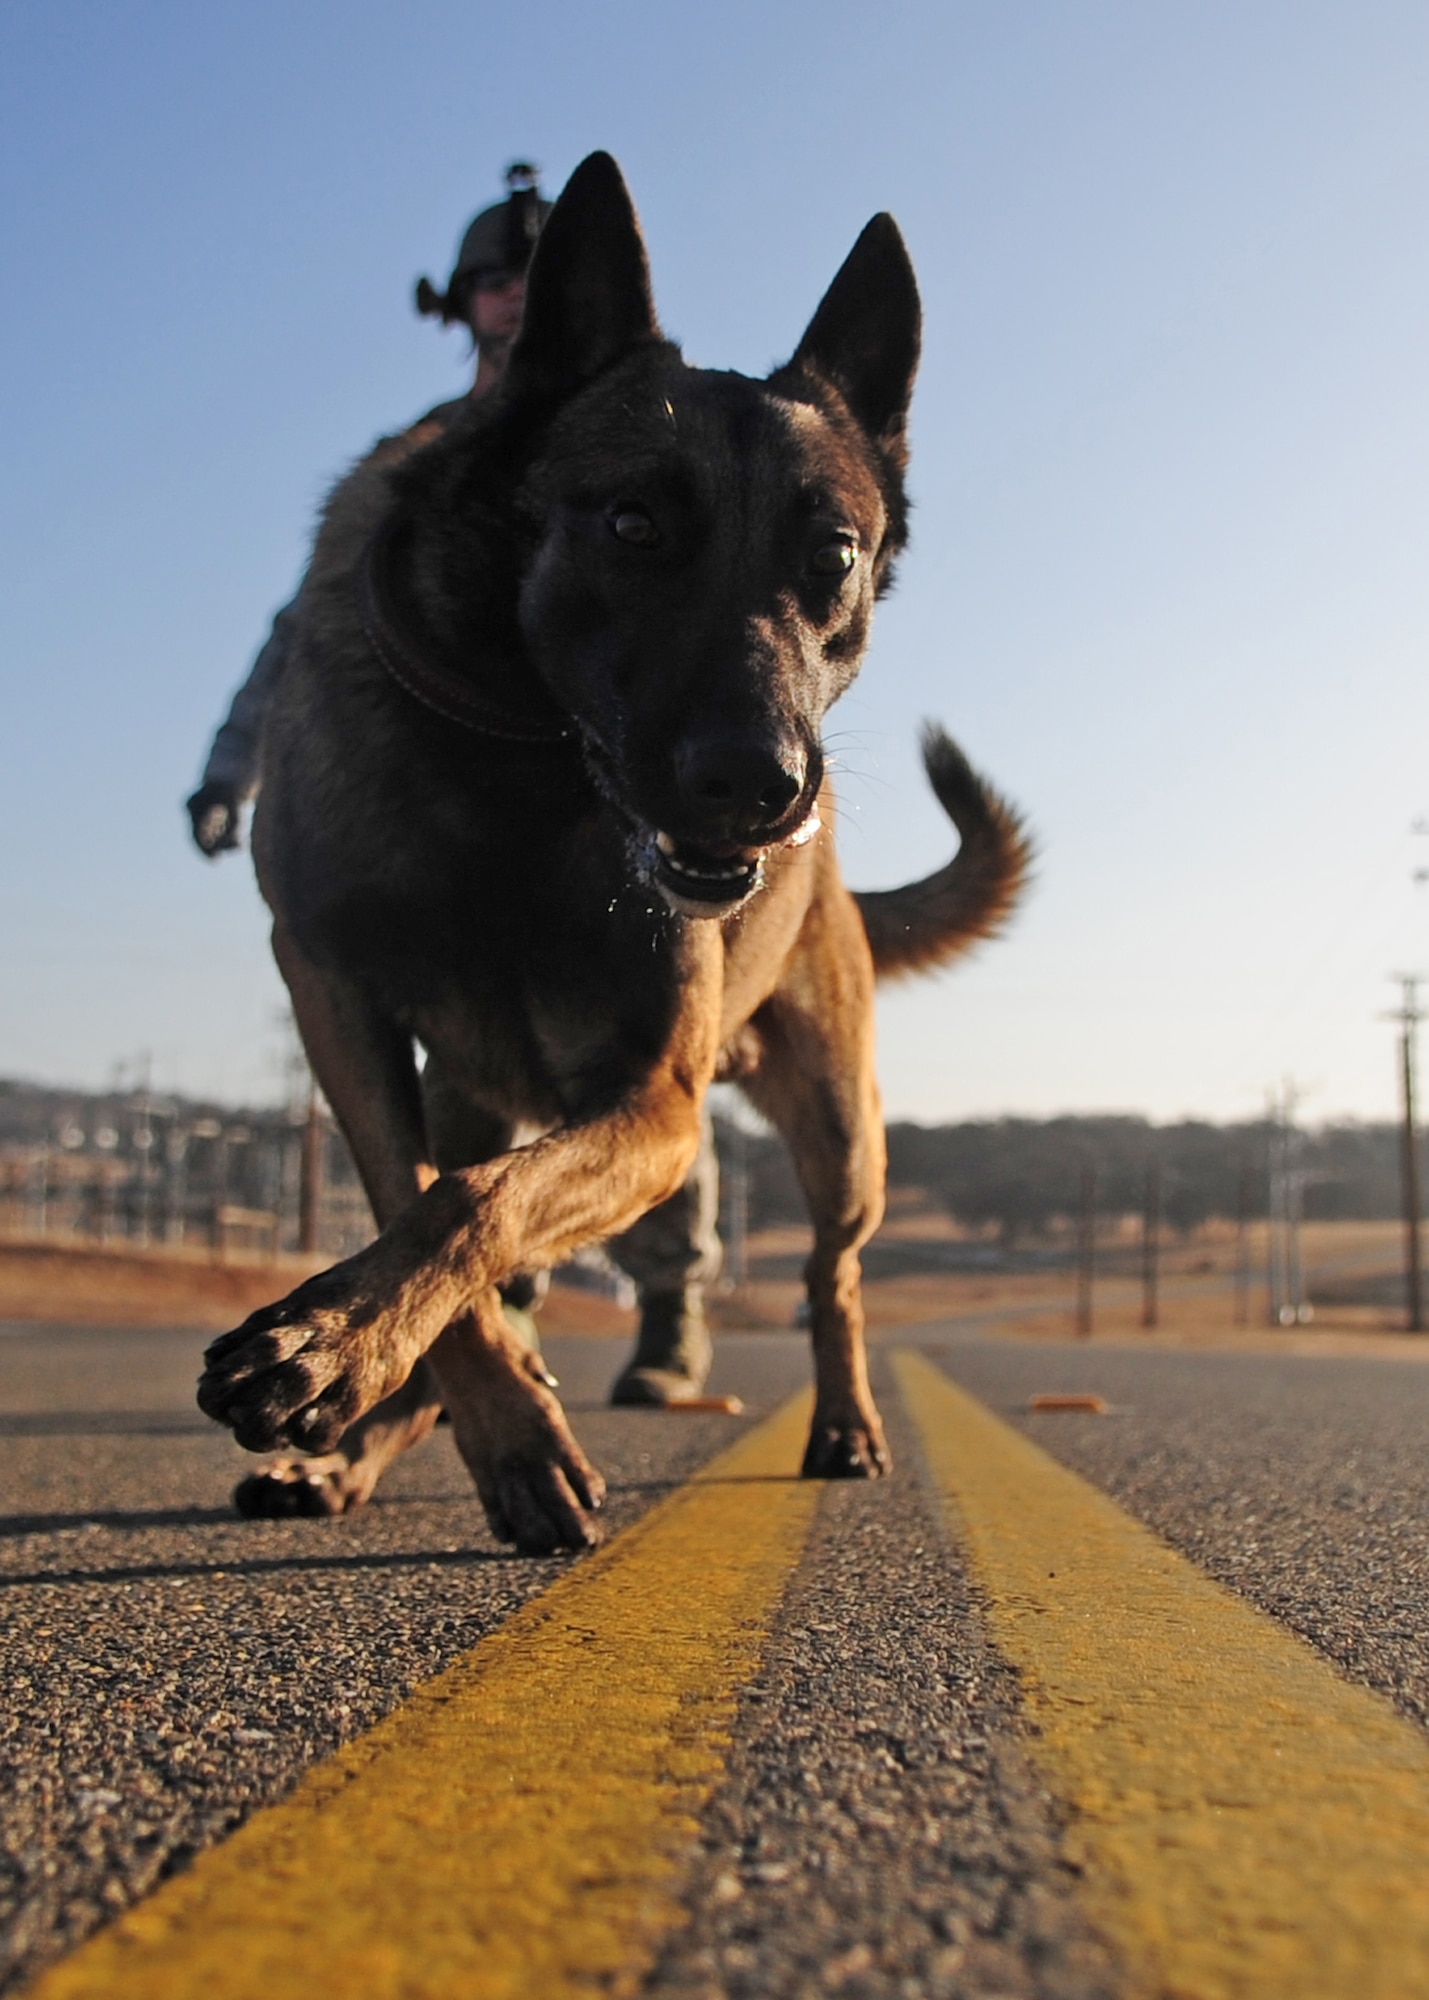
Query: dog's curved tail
x=931, y=922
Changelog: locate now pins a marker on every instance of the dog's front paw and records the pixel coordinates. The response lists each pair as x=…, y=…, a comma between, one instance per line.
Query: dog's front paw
x=299, y=1372
x=855, y=1450
x=544, y=1502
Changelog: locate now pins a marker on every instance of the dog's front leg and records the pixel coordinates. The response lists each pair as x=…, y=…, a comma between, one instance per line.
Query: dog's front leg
x=300, y=1372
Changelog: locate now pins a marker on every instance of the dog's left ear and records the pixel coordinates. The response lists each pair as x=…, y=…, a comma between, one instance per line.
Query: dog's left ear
x=588, y=294
x=866, y=334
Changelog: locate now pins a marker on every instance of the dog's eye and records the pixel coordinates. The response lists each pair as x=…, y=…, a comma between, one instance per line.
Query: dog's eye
x=631, y=524
x=835, y=557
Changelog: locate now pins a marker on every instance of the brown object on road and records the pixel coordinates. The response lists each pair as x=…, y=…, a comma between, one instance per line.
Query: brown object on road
x=722, y=1406
x=1090, y=1405
x=544, y=790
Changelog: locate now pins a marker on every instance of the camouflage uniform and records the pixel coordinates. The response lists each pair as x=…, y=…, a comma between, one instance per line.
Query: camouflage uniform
x=233, y=756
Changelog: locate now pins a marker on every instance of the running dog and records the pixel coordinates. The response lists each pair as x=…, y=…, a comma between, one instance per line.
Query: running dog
x=544, y=795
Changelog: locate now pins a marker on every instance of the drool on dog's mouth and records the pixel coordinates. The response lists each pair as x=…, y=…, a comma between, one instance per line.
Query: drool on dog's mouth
x=711, y=880
x=699, y=879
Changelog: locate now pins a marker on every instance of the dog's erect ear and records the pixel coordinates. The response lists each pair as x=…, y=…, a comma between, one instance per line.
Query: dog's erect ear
x=588, y=296
x=866, y=334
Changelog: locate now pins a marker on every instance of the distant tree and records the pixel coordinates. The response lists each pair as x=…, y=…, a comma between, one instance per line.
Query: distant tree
x=1018, y=1175
x=1012, y=1175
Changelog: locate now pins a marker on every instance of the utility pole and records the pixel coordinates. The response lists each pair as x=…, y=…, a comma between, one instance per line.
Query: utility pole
x=144, y=1143
x=1086, y=1250
x=1288, y=1304
x=310, y=1174
x=1240, y=1314
x=1150, y=1245
x=1300, y=1310
x=1276, y=1288
x=1409, y=1017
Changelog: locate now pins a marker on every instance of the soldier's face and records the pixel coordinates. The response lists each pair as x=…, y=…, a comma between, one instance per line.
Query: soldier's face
x=495, y=309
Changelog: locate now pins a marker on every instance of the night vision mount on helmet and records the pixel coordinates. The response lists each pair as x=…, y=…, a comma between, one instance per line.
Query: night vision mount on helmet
x=499, y=241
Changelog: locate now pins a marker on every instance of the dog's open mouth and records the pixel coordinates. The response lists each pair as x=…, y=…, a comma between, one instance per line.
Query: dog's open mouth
x=718, y=877
x=715, y=875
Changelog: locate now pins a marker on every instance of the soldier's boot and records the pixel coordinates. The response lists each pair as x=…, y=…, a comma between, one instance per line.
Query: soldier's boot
x=520, y=1298
x=673, y=1352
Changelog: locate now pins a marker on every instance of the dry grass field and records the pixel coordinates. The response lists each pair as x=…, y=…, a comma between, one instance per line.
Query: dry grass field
x=920, y=1268
x=1211, y=1288
x=82, y=1284
x=92, y=1285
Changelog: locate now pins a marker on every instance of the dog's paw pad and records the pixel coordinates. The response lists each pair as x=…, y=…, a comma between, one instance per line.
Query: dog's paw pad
x=292, y=1387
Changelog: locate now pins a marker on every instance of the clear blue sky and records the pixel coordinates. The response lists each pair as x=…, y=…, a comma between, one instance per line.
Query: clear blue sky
x=1171, y=462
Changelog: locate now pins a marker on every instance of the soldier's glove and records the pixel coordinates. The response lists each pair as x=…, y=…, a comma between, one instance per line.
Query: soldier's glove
x=213, y=812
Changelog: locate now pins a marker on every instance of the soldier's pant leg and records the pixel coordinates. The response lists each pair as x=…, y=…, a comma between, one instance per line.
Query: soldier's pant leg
x=677, y=1244
x=672, y=1254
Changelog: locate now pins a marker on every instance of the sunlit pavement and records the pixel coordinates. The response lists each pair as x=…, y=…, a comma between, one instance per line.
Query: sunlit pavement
x=830, y=1782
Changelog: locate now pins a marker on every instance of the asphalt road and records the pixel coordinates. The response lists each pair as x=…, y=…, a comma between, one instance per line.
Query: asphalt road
x=882, y=1830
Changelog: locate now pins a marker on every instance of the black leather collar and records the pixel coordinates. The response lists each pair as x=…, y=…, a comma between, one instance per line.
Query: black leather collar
x=427, y=681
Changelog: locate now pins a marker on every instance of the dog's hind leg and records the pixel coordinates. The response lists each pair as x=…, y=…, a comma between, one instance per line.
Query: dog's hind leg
x=815, y=1081
x=366, y=1066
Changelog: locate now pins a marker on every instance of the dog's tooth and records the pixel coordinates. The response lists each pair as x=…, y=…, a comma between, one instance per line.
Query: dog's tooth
x=665, y=844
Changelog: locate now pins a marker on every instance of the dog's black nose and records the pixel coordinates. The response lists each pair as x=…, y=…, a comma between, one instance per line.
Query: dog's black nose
x=739, y=782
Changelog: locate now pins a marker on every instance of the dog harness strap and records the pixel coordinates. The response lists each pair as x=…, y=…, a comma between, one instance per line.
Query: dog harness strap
x=445, y=694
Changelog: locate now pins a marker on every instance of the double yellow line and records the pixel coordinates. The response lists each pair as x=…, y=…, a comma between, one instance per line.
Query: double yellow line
x=1246, y=1823
x=519, y=1827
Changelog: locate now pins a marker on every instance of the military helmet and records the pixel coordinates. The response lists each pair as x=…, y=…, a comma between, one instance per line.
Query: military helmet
x=500, y=239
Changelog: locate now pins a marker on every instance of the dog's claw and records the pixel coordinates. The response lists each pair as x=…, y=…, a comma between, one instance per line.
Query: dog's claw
x=239, y=1358
x=845, y=1451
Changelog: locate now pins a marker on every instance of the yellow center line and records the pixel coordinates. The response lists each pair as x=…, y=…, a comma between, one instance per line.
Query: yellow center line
x=1249, y=1823
x=520, y=1826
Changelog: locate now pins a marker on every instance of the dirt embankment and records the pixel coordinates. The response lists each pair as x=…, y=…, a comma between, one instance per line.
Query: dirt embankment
x=92, y=1285
x=1211, y=1288
x=96, y=1285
